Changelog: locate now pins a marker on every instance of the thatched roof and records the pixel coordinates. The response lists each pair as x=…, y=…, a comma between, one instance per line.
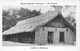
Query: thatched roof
x=31, y=23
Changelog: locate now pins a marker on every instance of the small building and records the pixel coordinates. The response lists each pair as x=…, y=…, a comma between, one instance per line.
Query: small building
x=48, y=28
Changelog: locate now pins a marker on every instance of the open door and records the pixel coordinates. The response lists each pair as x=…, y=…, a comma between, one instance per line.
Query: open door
x=50, y=37
x=61, y=38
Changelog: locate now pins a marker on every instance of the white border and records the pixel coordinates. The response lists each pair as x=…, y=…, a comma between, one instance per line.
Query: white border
x=50, y=48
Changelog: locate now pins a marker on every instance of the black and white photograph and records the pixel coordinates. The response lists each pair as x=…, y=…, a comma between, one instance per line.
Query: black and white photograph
x=52, y=25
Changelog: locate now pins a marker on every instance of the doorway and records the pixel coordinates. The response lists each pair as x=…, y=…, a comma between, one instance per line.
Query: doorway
x=50, y=37
x=61, y=38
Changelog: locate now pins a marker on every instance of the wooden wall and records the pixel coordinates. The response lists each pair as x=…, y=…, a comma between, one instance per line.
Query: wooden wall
x=56, y=22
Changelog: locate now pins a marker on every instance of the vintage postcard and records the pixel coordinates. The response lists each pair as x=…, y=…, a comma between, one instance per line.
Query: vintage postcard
x=40, y=25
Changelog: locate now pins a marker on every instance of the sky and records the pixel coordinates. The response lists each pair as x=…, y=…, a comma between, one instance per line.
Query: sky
x=45, y=9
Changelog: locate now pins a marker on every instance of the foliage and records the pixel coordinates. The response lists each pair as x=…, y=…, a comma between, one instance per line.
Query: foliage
x=69, y=18
x=13, y=15
x=72, y=20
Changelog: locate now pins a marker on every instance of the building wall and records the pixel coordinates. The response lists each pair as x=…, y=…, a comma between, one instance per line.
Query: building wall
x=40, y=36
x=56, y=25
x=69, y=37
x=42, y=33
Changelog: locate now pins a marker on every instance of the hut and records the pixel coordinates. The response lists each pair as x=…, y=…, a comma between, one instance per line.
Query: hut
x=48, y=28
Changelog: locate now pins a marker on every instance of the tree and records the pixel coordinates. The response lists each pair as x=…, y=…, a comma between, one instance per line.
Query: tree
x=71, y=20
x=13, y=15
x=35, y=13
x=5, y=24
x=24, y=13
